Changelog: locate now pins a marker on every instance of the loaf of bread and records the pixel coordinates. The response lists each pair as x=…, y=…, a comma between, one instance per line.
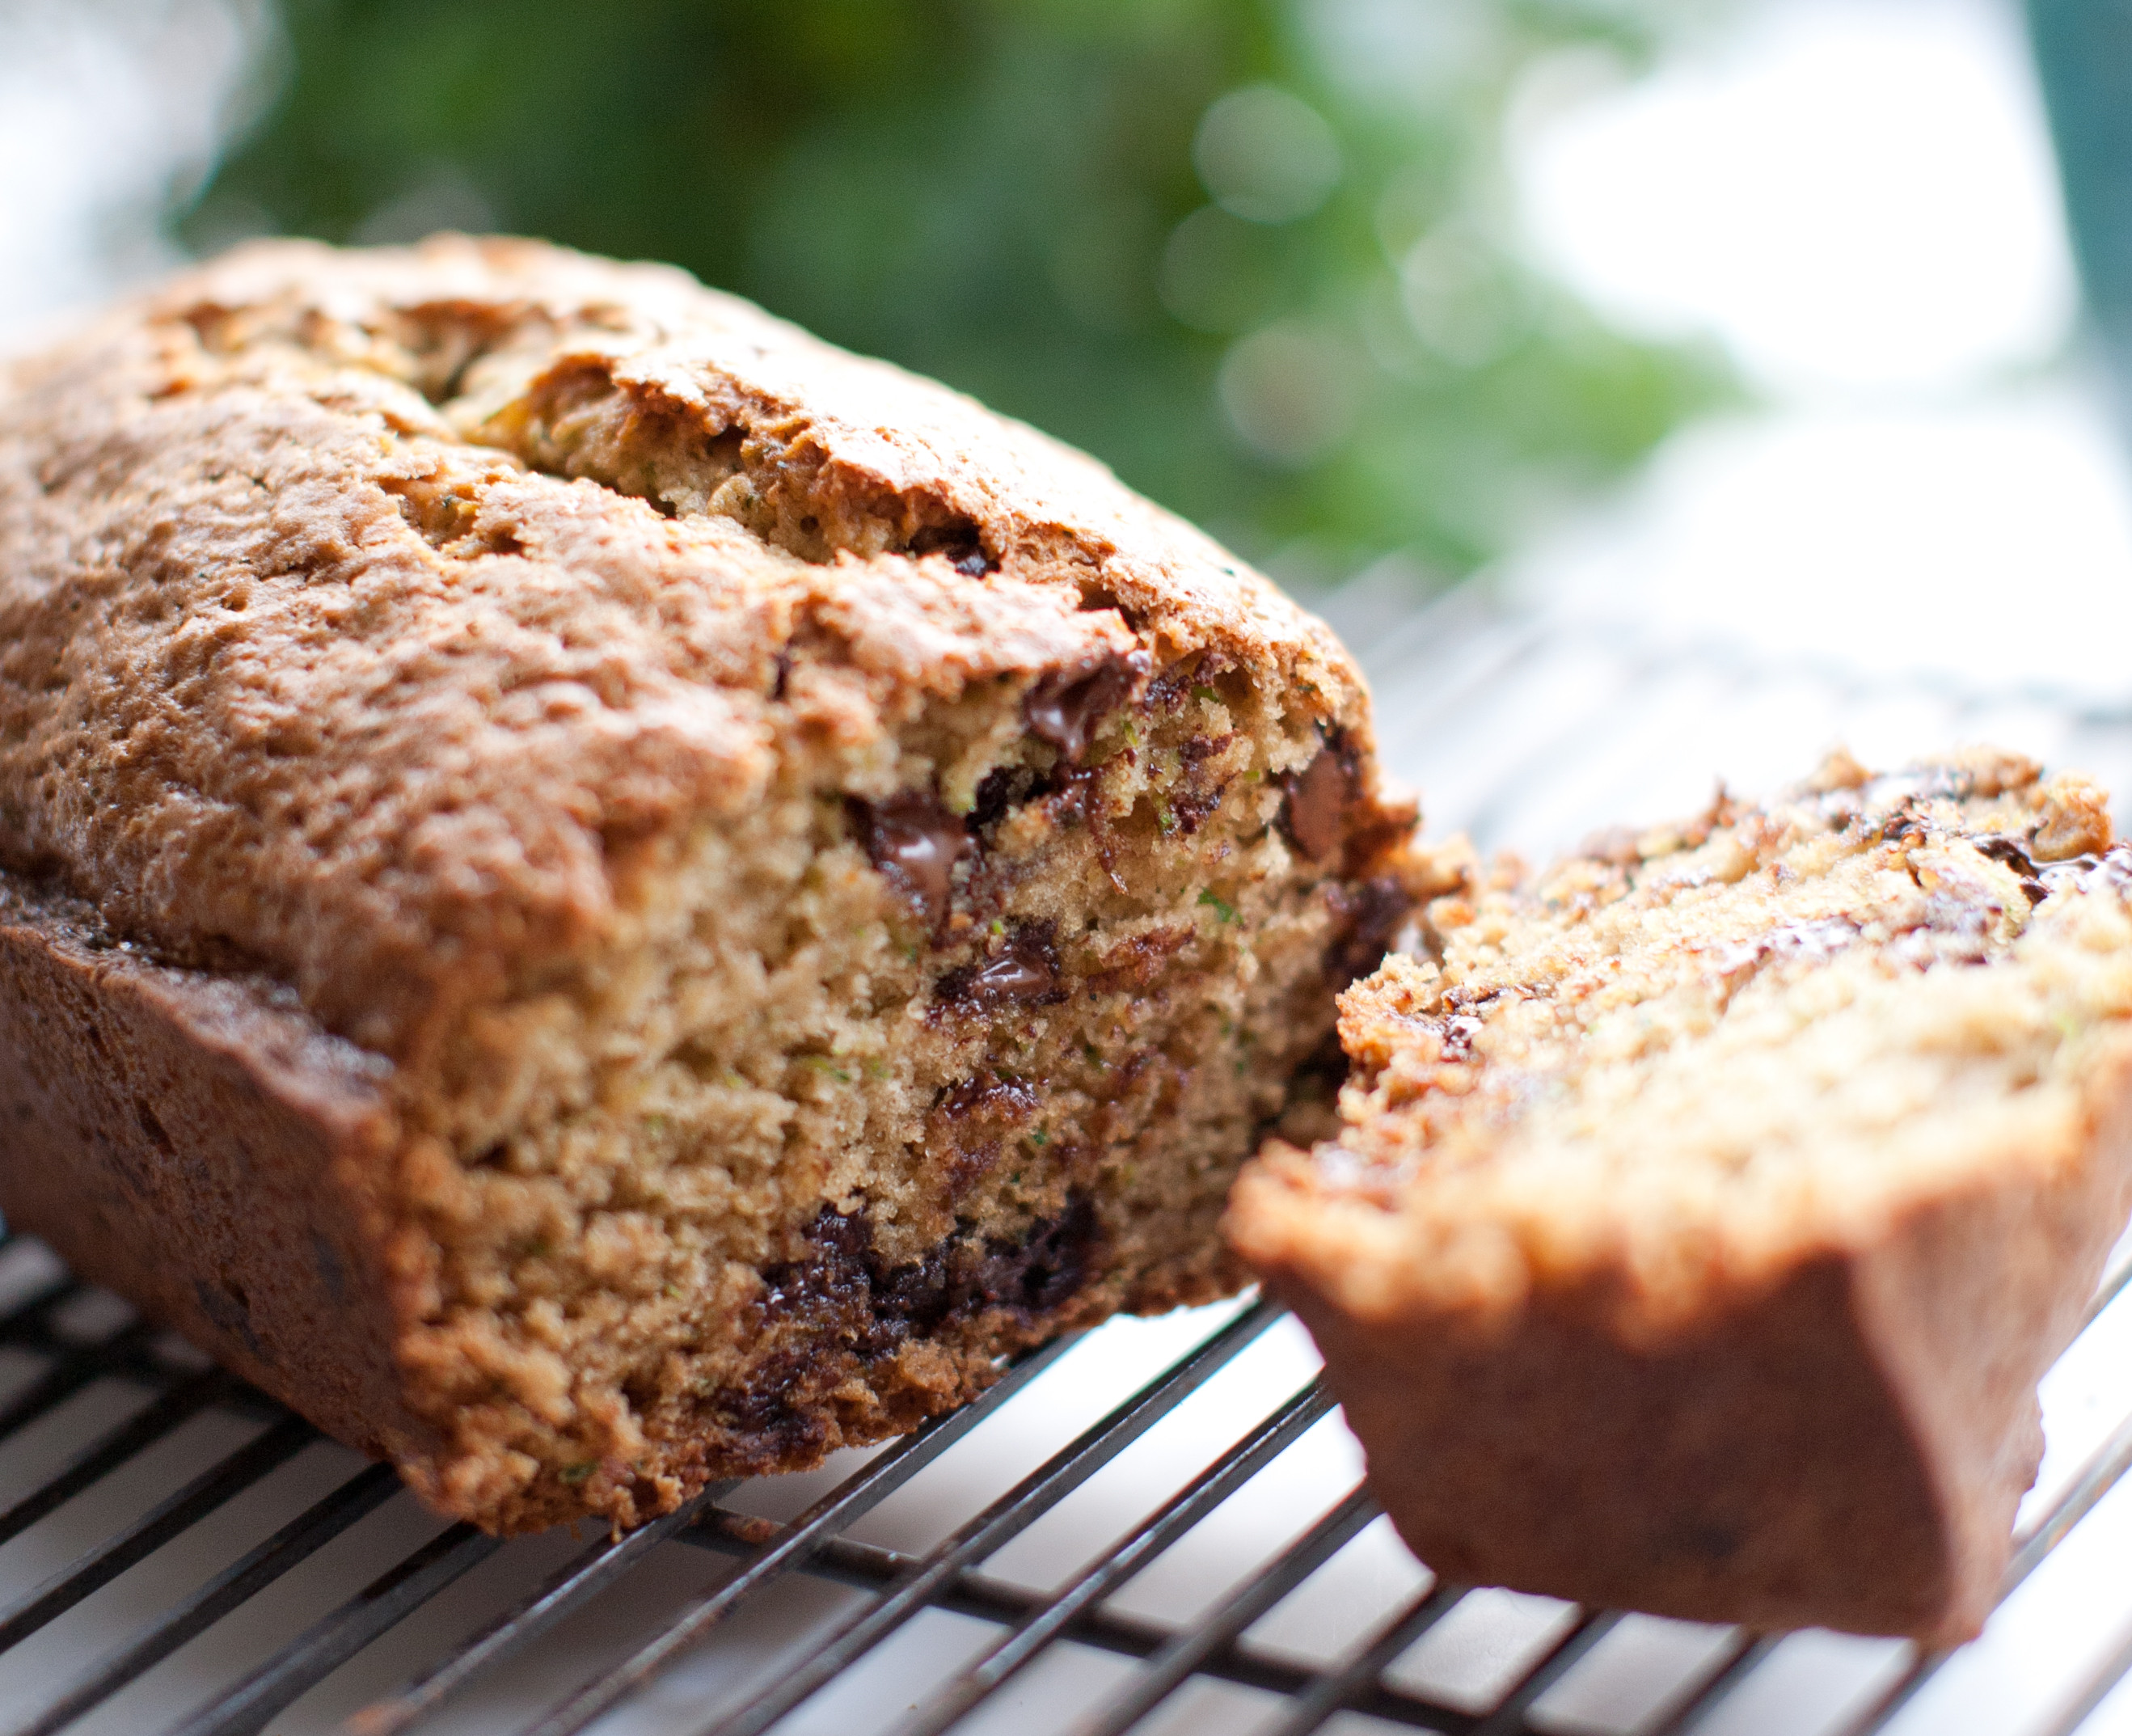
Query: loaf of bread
x=599, y=894
x=1705, y=1211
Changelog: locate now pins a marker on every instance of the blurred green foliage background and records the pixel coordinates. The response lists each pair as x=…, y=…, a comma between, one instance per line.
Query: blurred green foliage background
x=1254, y=253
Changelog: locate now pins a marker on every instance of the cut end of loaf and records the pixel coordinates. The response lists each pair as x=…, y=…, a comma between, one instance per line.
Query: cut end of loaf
x=915, y=1068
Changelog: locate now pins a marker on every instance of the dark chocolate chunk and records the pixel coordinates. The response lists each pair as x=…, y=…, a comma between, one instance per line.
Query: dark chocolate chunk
x=1003, y=788
x=856, y=1304
x=1190, y=811
x=1195, y=748
x=1315, y=815
x=1193, y=800
x=1066, y=705
x=1168, y=689
x=958, y=543
x=1369, y=915
x=1046, y=1268
x=915, y=843
x=1024, y=972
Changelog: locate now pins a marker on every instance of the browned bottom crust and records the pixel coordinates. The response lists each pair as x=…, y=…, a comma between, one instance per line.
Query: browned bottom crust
x=1846, y=1450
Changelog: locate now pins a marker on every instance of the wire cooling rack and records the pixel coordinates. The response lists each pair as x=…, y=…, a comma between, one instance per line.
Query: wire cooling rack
x=1157, y=1527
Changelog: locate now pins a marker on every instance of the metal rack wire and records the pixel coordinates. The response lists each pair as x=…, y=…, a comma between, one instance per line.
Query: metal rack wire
x=896, y=1586
x=64, y=1342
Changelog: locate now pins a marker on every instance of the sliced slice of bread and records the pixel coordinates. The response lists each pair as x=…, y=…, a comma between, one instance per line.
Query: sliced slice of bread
x=1704, y=1214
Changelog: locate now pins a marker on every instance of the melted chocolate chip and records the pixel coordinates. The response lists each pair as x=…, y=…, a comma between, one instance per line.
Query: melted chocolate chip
x=766, y=1415
x=1065, y=705
x=1953, y=931
x=833, y=1269
x=1315, y=815
x=1024, y=973
x=1134, y=964
x=1454, y=1033
x=988, y=1095
x=1166, y=691
x=1459, y=1031
x=1999, y=848
x=1812, y=942
x=1926, y=783
x=1193, y=800
x=915, y=843
x=2111, y=872
x=968, y=1124
x=1906, y=822
x=968, y=1165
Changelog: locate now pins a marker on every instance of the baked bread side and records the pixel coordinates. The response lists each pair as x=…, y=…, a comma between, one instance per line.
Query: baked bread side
x=634, y=897
x=1704, y=1214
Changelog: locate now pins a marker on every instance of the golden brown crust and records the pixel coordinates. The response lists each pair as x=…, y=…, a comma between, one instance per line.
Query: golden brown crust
x=702, y=778
x=395, y=779
x=1701, y=1221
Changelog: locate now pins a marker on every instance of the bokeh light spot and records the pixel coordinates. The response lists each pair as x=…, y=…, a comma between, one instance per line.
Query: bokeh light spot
x=1290, y=392
x=1266, y=155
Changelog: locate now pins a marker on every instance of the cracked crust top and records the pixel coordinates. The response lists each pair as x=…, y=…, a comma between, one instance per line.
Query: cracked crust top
x=379, y=619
